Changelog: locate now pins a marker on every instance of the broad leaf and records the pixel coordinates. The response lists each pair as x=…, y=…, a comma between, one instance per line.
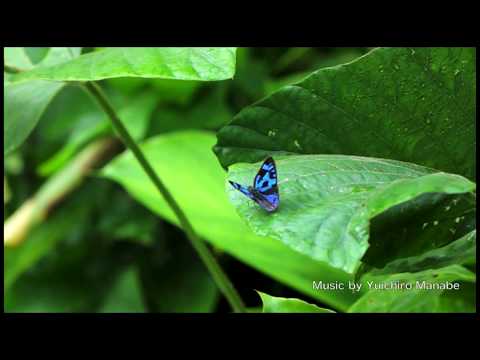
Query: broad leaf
x=389, y=293
x=185, y=163
x=24, y=103
x=461, y=251
x=205, y=64
x=272, y=304
x=395, y=103
x=425, y=223
x=327, y=201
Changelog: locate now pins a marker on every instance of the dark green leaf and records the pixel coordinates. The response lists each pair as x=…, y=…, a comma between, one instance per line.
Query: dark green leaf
x=396, y=103
x=126, y=294
x=461, y=251
x=175, y=280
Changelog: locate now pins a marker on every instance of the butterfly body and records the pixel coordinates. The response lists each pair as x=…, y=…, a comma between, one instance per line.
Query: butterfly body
x=264, y=190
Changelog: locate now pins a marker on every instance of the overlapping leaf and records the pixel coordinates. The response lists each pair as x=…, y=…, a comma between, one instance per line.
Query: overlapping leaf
x=25, y=102
x=396, y=103
x=327, y=201
x=388, y=293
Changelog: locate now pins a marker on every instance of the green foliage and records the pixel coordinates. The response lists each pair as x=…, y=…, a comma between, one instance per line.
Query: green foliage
x=188, y=168
x=25, y=102
x=272, y=304
x=327, y=201
x=393, y=103
x=419, y=298
x=375, y=155
x=204, y=64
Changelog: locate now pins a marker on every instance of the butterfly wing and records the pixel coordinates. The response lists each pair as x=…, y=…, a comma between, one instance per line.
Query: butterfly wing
x=266, y=184
x=268, y=202
x=243, y=189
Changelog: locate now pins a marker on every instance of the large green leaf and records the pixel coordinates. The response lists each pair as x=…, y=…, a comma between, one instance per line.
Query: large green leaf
x=425, y=223
x=416, y=105
x=205, y=64
x=389, y=293
x=272, y=304
x=327, y=201
x=461, y=251
x=185, y=163
x=24, y=103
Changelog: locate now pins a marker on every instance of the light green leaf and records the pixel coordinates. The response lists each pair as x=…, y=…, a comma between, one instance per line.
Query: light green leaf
x=327, y=201
x=428, y=292
x=396, y=103
x=15, y=57
x=185, y=163
x=24, y=103
x=125, y=295
x=59, y=55
x=272, y=304
x=204, y=64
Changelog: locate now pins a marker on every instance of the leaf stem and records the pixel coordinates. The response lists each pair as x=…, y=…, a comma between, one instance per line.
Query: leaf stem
x=220, y=278
x=34, y=210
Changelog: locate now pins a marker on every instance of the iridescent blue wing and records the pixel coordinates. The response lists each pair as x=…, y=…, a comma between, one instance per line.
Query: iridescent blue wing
x=268, y=202
x=266, y=179
x=266, y=184
x=243, y=189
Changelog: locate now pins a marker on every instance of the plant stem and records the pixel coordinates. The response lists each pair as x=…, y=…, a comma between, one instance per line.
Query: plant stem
x=220, y=278
x=36, y=208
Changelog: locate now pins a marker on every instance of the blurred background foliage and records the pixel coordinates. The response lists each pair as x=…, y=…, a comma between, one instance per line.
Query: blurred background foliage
x=99, y=250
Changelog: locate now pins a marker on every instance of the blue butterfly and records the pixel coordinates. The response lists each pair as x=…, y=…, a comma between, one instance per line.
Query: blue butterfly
x=264, y=190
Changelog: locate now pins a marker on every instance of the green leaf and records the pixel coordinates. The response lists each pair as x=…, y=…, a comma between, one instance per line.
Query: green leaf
x=423, y=296
x=204, y=64
x=126, y=294
x=422, y=224
x=135, y=113
x=461, y=251
x=59, y=55
x=272, y=304
x=185, y=163
x=397, y=103
x=15, y=57
x=327, y=201
x=24, y=103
